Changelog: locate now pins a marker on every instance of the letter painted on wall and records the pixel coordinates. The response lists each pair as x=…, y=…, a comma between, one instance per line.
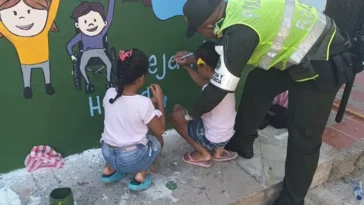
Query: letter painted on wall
x=93, y=57
x=165, y=9
x=26, y=24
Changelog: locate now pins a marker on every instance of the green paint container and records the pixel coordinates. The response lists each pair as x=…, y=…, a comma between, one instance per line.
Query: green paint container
x=61, y=196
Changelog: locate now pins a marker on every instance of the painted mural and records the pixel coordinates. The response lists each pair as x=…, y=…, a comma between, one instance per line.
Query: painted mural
x=71, y=46
x=92, y=25
x=165, y=9
x=26, y=24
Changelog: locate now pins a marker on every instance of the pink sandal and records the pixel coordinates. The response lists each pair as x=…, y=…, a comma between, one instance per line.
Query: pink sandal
x=205, y=164
x=226, y=156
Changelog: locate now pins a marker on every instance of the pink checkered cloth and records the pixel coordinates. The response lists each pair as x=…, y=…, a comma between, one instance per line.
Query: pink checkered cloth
x=43, y=157
x=281, y=99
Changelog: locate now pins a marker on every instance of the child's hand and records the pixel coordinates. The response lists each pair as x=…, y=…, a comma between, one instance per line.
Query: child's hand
x=185, y=61
x=177, y=107
x=154, y=101
x=157, y=93
x=186, y=67
x=177, y=117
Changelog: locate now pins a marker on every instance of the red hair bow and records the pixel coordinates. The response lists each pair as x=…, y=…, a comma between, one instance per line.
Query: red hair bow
x=124, y=54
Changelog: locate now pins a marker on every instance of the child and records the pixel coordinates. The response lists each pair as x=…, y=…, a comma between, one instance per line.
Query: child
x=93, y=23
x=277, y=115
x=26, y=24
x=213, y=131
x=125, y=145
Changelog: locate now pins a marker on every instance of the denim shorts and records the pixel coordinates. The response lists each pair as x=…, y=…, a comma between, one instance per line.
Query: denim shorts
x=134, y=160
x=196, y=131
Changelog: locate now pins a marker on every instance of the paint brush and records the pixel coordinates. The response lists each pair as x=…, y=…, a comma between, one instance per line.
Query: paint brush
x=183, y=57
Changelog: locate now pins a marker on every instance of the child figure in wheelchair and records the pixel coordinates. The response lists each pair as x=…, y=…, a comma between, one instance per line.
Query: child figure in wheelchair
x=93, y=25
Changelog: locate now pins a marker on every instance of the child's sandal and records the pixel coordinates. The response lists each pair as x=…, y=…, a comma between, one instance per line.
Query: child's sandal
x=188, y=159
x=112, y=178
x=137, y=186
x=226, y=156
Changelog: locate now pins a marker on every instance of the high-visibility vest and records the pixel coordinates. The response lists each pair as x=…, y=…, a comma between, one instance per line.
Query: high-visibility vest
x=287, y=29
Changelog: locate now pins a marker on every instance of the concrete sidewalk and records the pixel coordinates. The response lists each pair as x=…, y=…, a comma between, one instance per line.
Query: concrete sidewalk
x=241, y=181
x=223, y=183
x=337, y=192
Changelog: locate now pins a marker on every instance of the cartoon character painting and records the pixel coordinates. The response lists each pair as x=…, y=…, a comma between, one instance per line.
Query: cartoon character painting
x=165, y=9
x=90, y=19
x=26, y=24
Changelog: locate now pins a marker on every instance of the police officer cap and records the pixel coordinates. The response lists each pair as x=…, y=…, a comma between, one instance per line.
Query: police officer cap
x=196, y=12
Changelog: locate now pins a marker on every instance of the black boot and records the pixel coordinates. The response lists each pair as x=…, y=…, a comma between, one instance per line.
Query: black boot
x=242, y=145
x=90, y=88
x=264, y=124
x=49, y=89
x=27, y=93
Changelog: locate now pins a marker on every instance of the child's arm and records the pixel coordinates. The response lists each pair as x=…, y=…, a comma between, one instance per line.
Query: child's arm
x=72, y=43
x=110, y=15
x=160, y=104
x=3, y=30
x=158, y=125
x=196, y=77
x=53, y=9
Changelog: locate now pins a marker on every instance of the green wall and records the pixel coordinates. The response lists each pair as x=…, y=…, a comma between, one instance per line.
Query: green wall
x=64, y=120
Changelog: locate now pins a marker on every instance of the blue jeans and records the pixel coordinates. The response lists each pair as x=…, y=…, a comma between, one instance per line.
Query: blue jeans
x=196, y=131
x=131, y=161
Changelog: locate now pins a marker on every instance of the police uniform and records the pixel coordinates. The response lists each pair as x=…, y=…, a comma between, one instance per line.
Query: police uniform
x=291, y=46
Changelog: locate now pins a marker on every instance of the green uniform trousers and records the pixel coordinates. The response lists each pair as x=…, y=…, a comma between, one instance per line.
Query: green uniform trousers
x=309, y=107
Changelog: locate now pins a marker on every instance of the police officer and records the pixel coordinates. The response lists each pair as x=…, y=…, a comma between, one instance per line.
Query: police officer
x=292, y=47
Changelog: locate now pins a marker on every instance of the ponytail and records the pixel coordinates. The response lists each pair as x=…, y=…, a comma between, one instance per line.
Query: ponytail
x=112, y=100
x=122, y=67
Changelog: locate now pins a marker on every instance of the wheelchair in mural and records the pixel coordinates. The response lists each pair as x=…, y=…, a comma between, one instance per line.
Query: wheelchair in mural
x=94, y=67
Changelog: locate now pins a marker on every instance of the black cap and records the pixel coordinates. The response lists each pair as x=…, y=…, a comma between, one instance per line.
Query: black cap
x=196, y=12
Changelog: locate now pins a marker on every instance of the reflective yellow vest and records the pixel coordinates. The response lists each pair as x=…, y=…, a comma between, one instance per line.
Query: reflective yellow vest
x=287, y=29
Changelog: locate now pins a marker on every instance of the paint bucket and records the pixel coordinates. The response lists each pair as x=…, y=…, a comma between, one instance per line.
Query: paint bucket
x=61, y=196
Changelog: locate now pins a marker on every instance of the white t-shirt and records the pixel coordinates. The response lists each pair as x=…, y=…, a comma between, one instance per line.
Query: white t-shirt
x=126, y=119
x=219, y=122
